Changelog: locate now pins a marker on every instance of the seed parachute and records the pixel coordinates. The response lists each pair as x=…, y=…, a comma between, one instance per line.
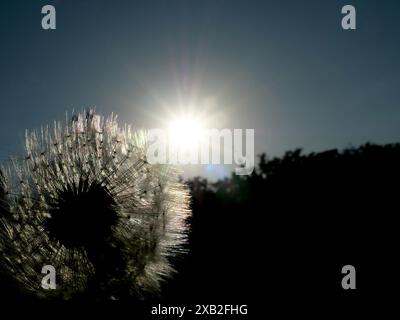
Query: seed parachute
x=85, y=200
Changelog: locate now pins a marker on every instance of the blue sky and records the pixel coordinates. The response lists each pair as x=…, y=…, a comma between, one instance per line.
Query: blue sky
x=285, y=68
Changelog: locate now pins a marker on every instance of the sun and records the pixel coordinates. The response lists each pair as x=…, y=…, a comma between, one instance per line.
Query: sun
x=185, y=132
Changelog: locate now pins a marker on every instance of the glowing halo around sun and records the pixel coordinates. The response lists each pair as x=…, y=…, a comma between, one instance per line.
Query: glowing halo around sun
x=185, y=121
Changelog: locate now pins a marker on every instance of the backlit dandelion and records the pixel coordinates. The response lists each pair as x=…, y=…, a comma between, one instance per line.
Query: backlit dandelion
x=85, y=200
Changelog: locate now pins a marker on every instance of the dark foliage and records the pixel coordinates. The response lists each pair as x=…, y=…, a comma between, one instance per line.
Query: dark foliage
x=286, y=231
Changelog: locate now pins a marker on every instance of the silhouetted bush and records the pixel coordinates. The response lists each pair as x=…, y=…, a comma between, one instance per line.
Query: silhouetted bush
x=290, y=227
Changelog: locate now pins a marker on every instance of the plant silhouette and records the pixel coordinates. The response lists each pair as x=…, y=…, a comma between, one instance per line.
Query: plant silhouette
x=287, y=230
x=85, y=200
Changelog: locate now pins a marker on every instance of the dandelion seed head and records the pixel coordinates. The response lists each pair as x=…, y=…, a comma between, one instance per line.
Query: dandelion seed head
x=85, y=200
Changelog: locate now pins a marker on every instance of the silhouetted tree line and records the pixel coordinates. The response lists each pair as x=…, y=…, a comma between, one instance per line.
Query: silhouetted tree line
x=287, y=230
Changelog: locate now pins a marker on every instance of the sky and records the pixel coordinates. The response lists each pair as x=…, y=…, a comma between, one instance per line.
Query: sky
x=284, y=68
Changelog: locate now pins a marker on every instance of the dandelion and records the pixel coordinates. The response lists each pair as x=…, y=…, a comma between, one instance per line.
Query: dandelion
x=85, y=200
